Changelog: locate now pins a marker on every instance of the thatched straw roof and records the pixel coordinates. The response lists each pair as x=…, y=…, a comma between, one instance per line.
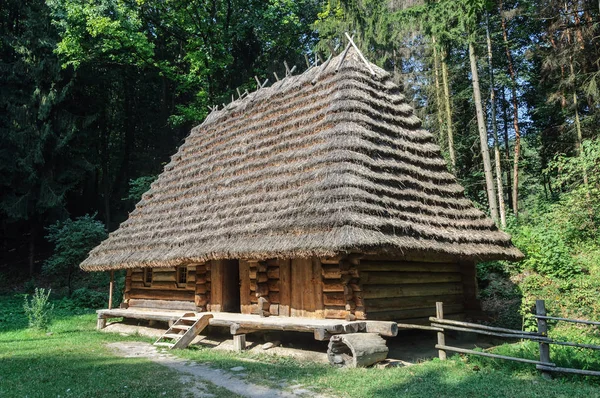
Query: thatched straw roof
x=301, y=169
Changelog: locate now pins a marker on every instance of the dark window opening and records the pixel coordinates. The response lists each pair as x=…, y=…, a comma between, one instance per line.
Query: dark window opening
x=182, y=276
x=147, y=276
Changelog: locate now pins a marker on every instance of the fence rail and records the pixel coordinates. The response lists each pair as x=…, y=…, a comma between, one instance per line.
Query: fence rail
x=545, y=365
x=555, y=318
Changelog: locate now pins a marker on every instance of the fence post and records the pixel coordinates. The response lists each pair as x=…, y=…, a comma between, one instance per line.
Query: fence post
x=441, y=338
x=540, y=309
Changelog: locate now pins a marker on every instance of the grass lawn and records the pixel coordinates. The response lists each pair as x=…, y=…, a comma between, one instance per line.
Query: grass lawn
x=458, y=377
x=73, y=362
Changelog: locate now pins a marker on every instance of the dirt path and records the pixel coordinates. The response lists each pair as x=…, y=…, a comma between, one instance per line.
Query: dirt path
x=199, y=376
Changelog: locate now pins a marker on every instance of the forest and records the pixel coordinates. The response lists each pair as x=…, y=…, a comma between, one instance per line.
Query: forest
x=96, y=95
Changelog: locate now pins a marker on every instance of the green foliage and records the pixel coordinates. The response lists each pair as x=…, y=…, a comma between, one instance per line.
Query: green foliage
x=568, y=357
x=39, y=309
x=86, y=298
x=40, y=150
x=205, y=50
x=72, y=239
x=29, y=286
x=546, y=251
x=559, y=238
x=138, y=186
x=105, y=31
x=500, y=297
x=578, y=210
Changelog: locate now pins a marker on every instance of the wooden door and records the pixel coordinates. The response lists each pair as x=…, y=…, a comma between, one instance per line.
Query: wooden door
x=225, y=286
x=306, y=297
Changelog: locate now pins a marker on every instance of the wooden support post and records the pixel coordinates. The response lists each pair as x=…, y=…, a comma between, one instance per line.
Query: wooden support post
x=540, y=309
x=101, y=322
x=441, y=338
x=322, y=335
x=110, y=289
x=239, y=342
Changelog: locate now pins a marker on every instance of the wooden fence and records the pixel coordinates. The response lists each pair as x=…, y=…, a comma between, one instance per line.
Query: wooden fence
x=545, y=365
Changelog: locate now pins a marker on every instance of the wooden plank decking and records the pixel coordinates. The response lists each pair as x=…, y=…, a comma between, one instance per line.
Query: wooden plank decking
x=245, y=323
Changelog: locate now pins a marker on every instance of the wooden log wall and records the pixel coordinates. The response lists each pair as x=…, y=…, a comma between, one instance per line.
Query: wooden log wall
x=126, y=293
x=399, y=290
x=164, y=287
x=262, y=289
x=202, y=288
x=261, y=293
x=341, y=289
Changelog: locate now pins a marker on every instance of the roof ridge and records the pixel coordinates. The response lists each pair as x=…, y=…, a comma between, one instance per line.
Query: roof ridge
x=280, y=82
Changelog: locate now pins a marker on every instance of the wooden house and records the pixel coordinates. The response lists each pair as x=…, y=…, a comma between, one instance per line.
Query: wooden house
x=320, y=196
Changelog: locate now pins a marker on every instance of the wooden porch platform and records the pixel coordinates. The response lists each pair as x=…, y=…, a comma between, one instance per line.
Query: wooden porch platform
x=246, y=323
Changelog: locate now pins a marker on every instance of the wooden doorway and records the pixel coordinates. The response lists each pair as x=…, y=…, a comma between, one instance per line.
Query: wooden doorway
x=306, y=288
x=225, y=286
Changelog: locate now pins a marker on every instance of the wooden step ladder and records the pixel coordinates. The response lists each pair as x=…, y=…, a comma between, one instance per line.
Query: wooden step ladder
x=183, y=331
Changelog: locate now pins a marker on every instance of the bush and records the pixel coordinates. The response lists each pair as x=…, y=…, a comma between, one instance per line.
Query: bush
x=39, y=310
x=86, y=298
x=73, y=240
x=545, y=248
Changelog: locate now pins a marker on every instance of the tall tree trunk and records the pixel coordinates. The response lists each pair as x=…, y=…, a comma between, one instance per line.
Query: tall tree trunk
x=446, y=84
x=497, y=159
x=579, y=140
x=483, y=138
x=581, y=44
x=438, y=89
x=506, y=143
x=513, y=78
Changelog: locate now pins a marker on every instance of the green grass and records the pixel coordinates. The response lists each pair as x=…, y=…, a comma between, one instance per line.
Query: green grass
x=73, y=361
x=458, y=377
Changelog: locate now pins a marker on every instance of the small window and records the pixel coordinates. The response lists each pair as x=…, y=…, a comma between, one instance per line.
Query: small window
x=147, y=276
x=182, y=276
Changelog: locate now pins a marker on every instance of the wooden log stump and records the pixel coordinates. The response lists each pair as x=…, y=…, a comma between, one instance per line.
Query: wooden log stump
x=356, y=350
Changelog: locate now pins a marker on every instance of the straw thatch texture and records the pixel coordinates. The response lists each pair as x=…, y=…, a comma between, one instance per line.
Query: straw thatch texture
x=301, y=169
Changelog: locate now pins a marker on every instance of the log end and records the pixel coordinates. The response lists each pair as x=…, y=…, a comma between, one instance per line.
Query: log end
x=356, y=350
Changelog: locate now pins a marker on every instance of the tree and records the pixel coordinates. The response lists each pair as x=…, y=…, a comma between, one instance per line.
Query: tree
x=497, y=157
x=41, y=154
x=72, y=239
x=483, y=136
x=515, y=108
